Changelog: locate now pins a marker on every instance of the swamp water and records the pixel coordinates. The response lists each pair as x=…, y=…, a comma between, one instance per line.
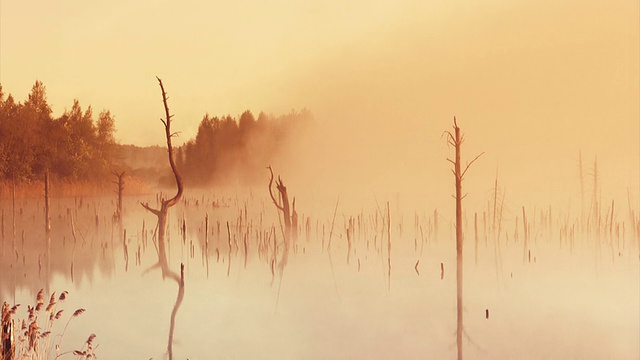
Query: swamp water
x=335, y=294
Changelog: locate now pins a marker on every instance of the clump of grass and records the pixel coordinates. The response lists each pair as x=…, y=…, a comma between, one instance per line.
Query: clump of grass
x=33, y=339
x=87, y=350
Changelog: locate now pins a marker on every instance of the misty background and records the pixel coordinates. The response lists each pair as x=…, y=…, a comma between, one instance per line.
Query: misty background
x=532, y=84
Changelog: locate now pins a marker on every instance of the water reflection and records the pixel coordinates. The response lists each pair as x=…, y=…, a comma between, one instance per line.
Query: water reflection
x=230, y=305
x=179, y=279
x=76, y=247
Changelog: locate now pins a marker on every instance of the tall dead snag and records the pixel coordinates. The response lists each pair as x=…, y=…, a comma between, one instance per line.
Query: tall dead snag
x=165, y=204
x=162, y=222
x=120, y=184
x=290, y=220
x=455, y=139
x=290, y=230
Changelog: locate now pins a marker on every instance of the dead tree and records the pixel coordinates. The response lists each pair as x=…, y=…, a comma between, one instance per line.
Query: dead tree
x=455, y=139
x=120, y=184
x=290, y=230
x=290, y=219
x=162, y=223
x=166, y=203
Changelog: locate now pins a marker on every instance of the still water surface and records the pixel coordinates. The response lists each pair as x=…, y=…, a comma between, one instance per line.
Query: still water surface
x=566, y=302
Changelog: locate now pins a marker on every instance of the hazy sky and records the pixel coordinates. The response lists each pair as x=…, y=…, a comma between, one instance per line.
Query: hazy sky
x=532, y=82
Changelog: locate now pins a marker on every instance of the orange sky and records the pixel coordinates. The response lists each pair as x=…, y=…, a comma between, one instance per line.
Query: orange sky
x=531, y=82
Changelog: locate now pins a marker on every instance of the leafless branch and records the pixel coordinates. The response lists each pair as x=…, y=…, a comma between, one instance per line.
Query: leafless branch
x=176, y=198
x=271, y=192
x=150, y=209
x=469, y=164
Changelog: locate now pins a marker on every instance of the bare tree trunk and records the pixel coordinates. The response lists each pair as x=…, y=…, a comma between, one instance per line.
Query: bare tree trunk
x=459, y=244
x=456, y=139
x=162, y=223
x=290, y=230
x=166, y=204
x=120, y=184
x=283, y=205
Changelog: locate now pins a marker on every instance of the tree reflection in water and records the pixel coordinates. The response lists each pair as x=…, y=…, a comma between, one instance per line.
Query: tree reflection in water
x=179, y=279
x=162, y=224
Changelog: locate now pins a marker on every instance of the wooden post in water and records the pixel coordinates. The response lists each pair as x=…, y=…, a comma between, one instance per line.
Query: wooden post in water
x=120, y=184
x=47, y=216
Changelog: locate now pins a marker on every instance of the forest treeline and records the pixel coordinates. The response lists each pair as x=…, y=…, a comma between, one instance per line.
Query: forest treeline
x=74, y=146
x=228, y=150
x=79, y=146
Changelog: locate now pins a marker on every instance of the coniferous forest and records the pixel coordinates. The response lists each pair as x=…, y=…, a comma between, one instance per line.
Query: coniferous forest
x=78, y=146
x=228, y=147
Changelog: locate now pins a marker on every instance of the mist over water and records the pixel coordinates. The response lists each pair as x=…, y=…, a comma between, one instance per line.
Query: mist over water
x=566, y=297
x=350, y=104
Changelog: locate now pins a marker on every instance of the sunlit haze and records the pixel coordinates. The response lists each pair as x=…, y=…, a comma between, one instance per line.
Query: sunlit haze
x=531, y=83
x=318, y=199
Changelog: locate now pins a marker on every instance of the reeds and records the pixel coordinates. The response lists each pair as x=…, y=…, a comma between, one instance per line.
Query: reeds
x=33, y=338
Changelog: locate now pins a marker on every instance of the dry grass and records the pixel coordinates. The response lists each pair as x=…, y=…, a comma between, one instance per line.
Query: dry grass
x=32, y=338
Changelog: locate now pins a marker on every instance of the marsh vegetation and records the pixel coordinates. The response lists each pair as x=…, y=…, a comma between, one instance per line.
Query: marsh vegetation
x=250, y=271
